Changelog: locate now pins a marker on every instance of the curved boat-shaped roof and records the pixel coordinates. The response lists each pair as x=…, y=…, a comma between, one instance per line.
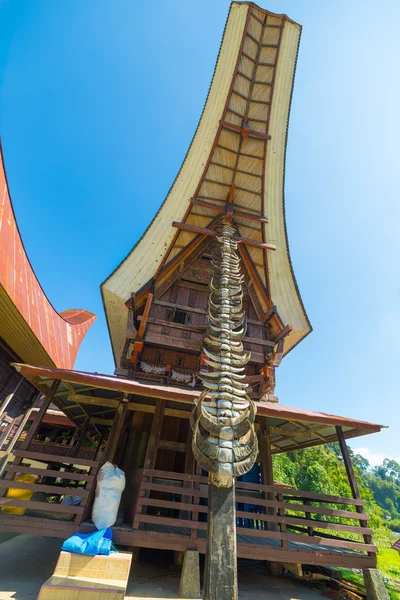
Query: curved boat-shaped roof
x=29, y=324
x=237, y=155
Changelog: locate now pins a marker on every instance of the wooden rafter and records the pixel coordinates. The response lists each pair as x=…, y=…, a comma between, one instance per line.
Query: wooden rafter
x=212, y=232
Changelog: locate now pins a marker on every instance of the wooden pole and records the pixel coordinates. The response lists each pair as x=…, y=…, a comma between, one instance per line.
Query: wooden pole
x=267, y=477
x=6, y=431
x=267, y=472
x=35, y=426
x=154, y=439
x=220, y=572
x=10, y=397
x=351, y=476
x=115, y=433
x=75, y=450
x=19, y=430
x=39, y=416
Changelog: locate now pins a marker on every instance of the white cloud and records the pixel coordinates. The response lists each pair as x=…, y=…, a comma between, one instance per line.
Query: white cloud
x=374, y=458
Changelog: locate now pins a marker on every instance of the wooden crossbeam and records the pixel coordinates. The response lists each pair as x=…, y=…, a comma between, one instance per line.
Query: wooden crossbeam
x=212, y=232
x=282, y=334
x=293, y=433
x=245, y=130
x=221, y=210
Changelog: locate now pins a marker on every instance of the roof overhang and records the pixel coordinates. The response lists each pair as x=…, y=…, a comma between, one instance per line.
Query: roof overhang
x=251, y=79
x=29, y=324
x=290, y=428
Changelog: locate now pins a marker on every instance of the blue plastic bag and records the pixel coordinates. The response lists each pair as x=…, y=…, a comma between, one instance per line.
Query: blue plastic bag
x=99, y=542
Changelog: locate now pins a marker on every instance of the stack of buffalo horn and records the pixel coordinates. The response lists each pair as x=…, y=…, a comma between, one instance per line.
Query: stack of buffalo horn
x=224, y=440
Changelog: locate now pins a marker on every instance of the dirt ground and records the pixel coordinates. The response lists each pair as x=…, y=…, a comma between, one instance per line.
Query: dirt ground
x=26, y=561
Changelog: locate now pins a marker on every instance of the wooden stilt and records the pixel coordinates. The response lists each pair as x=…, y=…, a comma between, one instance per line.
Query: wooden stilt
x=115, y=433
x=220, y=573
x=40, y=414
x=15, y=439
x=154, y=439
x=34, y=427
x=81, y=435
x=267, y=476
x=10, y=397
x=152, y=447
x=6, y=431
x=352, y=478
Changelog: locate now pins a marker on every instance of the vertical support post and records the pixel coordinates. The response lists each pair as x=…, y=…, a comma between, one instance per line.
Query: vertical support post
x=75, y=450
x=267, y=472
x=189, y=469
x=267, y=476
x=152, y=446
x=220, y=573
x=352, y=478
x=115, y=433
x=308, y=517
x=39, y=417
x=10, y=397
x=195, y=501
x=154, y=439
x=6, y=431
x=373, y=579
x=19, y=430
x=35, y=425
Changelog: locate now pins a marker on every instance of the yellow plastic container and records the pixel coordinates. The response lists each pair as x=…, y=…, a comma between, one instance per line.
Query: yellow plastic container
x=18, y=494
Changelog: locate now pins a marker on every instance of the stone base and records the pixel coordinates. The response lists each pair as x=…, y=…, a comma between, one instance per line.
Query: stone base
x=374, y=585
x=190, y=578
x=81, y=577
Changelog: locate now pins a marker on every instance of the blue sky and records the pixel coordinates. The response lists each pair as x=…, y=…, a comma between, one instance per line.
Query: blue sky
x=98, y=103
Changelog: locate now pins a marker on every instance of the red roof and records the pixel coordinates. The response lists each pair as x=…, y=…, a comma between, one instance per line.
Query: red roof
x=29, y=324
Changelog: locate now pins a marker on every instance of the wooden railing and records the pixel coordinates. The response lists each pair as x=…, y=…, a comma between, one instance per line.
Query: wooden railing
x=85, y=490
x=265, y=512
x=59, y=449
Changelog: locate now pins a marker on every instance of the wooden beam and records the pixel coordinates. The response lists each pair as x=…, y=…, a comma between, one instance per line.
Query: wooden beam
x=168, y=412
x=283, y=333
x=154, y=439
x=10, y=396
x=221, y=210
x=296, y=433
x=81, y=436
x=352, y=478
x=245, y=131
x=175, y=446
x=81, y=399
x=220, y=572
x=270, y=314
x=213, y=232
x=115, y=433
x=146, y=311
x=100, y=421
x=39, y=415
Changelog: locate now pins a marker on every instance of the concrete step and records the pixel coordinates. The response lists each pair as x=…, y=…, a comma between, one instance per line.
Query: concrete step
x=80, y=588
x=114, y=566
x=81, y=577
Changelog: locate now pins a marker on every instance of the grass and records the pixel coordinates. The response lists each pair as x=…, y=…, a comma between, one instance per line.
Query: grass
x=389, y=565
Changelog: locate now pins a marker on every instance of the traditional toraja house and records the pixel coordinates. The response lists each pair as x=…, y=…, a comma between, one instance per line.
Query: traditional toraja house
x=200, y=314
x=31, y=330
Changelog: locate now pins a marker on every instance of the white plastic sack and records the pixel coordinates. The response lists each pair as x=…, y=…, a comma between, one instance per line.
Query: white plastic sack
x=110, y=485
